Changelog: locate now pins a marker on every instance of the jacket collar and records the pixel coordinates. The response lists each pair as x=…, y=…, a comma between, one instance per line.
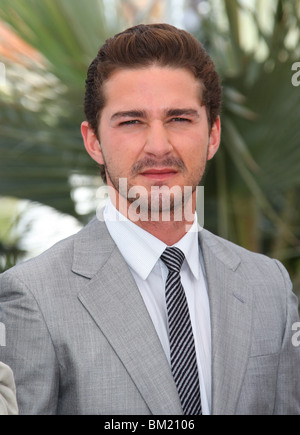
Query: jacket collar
x=93, y=244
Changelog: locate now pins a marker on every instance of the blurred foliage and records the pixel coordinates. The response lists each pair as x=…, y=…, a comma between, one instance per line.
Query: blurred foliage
x=253, y=185
x=9, y=234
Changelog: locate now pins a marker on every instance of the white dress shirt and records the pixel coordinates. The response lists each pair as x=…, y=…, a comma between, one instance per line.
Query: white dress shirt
x=142, y=251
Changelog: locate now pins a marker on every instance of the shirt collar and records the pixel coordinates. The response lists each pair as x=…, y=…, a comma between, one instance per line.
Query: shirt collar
x=189, y=245
x=141, y=250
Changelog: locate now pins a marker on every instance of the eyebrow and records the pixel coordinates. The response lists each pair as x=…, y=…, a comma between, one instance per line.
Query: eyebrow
x=180, y=112
x=129, y=114
x=143, y=113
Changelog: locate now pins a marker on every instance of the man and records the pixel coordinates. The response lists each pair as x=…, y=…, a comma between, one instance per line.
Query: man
x=140, y=312
x=8, y=402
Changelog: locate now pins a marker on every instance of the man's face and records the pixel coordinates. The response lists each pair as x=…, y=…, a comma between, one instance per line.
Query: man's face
x=153, y=129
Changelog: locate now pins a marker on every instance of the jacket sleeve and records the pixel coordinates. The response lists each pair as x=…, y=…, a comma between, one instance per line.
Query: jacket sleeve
x=288, y=380
x=28, y=349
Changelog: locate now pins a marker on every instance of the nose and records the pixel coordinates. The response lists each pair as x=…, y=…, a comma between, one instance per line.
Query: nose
x=157, y=141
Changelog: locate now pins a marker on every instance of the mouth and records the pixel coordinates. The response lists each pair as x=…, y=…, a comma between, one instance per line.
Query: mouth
x=159, y=173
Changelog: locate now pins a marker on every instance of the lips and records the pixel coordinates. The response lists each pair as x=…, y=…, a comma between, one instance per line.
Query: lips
x=159, y=173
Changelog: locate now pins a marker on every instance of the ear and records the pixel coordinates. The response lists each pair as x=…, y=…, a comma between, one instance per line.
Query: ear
x=91, y=143
x=214, y=139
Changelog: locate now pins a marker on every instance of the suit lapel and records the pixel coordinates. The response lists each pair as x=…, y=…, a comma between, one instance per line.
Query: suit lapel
x=114, y=301
x=231, y=316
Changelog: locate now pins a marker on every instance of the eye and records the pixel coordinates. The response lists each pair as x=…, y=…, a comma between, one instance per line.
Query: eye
x=180, y=120
x=130, y=122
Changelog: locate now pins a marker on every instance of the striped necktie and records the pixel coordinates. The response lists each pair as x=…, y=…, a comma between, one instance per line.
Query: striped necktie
x=182, y=346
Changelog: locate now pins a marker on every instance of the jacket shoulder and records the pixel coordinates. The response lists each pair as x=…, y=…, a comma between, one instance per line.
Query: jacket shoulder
x=53, y=262
x=254, y=266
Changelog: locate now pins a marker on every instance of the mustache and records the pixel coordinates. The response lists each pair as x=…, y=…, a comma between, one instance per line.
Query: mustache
x=149, y=163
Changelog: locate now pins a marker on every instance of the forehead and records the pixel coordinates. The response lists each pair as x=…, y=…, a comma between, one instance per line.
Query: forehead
x=152, y=85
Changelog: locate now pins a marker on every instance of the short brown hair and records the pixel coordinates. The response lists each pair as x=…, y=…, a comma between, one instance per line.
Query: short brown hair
x=146, y=45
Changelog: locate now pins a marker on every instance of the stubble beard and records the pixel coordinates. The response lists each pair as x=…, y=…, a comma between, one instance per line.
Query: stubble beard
x=161, y=201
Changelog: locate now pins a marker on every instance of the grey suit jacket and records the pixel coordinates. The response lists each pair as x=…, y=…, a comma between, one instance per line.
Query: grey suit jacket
x=80, y=339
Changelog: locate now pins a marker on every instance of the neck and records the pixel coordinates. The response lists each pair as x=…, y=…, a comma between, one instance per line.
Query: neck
x=168, y=232
x=167, y=227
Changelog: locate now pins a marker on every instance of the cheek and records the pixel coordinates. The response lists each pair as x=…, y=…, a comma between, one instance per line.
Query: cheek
x=194, y=151
x=129, y=144
x=119, y=154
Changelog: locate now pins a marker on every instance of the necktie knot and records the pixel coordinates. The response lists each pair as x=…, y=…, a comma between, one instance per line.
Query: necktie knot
x=173, y=259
